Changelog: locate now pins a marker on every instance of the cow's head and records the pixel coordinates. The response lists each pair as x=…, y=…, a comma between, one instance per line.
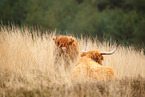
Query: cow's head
x=96, y=55
x=63, y=42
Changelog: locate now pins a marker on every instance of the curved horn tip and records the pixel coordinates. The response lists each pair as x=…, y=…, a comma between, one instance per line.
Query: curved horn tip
x=84, y=50
x=108, y=53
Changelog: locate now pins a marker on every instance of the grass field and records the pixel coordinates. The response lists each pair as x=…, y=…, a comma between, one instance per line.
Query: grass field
x=28, y=69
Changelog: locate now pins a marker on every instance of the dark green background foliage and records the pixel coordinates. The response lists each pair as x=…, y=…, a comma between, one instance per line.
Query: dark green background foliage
x=123, y=20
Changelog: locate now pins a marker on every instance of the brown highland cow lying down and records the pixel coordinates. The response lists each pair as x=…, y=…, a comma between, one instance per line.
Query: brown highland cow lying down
x=90, y=67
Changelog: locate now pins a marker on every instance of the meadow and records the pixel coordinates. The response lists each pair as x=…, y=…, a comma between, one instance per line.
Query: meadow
x=28, y=68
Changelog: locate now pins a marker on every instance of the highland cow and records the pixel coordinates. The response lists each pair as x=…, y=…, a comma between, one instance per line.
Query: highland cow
x=67, y=47
x=90, y=67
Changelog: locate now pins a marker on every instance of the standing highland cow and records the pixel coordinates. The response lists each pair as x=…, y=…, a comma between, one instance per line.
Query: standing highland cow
x=90, y=67
x=67, y=48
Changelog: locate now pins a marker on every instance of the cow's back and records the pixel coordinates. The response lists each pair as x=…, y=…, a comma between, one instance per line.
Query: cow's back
x=88, y=69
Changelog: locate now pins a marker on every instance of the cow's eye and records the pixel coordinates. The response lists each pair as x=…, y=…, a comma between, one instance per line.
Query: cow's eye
x=71, y=42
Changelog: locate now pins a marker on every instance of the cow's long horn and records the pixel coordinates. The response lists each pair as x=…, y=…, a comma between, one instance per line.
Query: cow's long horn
x=109, y=53
x=84, y=50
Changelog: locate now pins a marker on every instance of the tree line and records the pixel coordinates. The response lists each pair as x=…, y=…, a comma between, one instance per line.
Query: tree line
x=123, y=20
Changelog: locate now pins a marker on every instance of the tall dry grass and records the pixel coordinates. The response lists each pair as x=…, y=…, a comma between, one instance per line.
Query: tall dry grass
x=27, y=68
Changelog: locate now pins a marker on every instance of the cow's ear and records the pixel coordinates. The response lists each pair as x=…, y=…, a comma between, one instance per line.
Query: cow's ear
x=83, y=54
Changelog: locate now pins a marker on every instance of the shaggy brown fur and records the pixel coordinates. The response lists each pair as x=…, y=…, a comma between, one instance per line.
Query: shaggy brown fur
x=67, y=47
x=90, y=67
x=95, y=55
